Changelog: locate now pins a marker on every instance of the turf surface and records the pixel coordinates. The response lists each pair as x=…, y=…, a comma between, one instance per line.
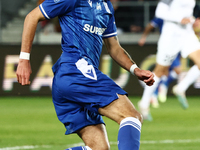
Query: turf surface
x=31, y=123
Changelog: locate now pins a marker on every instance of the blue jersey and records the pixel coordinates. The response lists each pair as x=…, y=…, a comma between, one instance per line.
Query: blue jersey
x=84, y=23
x=79, y=87
x=157, y=23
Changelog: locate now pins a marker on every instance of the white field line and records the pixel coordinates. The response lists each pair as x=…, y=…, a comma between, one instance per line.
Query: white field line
x=111, y=143
x=25, y=147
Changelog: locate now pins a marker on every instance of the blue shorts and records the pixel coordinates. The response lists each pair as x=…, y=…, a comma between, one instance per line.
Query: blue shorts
x=78, y=91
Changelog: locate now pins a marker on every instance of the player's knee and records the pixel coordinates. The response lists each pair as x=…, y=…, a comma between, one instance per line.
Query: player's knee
x=105, y=147
x=134, y=114
x=138, y=116
x=100, y=146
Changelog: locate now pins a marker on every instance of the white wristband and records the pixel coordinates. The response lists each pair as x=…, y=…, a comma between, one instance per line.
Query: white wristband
x=24, y=55
x=133, y=68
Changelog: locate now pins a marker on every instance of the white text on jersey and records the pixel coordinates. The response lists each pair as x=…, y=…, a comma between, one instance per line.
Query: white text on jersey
x=93, y=29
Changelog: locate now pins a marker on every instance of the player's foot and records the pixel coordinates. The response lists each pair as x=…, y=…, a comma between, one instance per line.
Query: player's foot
x=181, y=97
x=145, y=112
x=154, y=101
x=162, y=93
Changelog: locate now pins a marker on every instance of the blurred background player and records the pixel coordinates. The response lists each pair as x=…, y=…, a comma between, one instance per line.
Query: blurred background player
x=177, y=36
x=174, y=70
x=180, y=89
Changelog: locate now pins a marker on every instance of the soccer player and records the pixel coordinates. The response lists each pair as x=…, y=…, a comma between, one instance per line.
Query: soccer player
x=81, y=92
x=154, y=23
x=177, y=36
x=192, y=75
x=174, y=70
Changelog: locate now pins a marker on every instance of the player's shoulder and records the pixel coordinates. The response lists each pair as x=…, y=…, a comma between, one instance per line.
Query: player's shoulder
x=69, y=2
x=61, y=2
x=157, y=20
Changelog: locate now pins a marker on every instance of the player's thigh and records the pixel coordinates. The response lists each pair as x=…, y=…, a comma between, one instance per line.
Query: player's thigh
x=168, y=50
x=95, y=136
x=120, y=109
x=177, y=69
x=161, y=70
x=191, y=47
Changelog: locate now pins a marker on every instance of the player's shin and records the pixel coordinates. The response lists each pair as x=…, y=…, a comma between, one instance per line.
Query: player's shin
x=129, y=134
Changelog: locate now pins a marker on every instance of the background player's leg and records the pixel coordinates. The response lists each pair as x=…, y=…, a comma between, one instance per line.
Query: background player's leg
x=190, y=78
x=180, y=89
x=163, y=89
x=194, y=56
x=192, y=75
x=124, y=113
x=94, y=137
x=144, y=104
x=173, y=75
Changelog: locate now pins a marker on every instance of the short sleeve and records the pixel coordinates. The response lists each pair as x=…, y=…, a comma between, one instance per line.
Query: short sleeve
x=111, y=28
x=156, y=22
x=53, y=8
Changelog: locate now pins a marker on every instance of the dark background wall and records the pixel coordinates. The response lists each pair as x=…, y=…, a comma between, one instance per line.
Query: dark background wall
x=10, y=9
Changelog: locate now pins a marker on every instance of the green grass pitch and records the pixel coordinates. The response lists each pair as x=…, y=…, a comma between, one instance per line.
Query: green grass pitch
x=31, y=123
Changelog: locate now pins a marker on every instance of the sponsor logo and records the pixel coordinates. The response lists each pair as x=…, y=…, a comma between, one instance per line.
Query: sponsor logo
x=90, y=73
x=93, y=29
x=86, y=69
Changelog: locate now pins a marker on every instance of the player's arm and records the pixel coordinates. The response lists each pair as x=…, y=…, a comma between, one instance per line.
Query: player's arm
x=146, y=32
x=124, y=60
x=30, y=24
x=163, y=12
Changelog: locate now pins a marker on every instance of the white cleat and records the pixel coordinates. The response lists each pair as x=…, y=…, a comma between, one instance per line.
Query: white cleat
x=154, y=101
x=162, y=93
x=145, y=112
x=181, y=97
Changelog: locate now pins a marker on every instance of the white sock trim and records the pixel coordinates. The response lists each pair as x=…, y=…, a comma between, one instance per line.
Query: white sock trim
x=132, y=122
x=88, y=148
x=156, y=77
x=164, y=78
x=173, y=74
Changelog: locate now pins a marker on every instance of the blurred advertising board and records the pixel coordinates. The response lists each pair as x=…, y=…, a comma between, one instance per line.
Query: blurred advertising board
x=44, y=56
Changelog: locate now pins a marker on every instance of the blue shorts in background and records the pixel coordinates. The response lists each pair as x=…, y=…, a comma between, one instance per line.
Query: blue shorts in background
x=176, y=62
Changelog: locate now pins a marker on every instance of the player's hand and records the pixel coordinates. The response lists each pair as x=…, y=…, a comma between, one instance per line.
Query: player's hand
x=185, y=21
x=142, y=41
x=145, y=76
x=23, y=72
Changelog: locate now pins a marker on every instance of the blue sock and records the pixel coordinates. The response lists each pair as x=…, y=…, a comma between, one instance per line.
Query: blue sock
x=80, y=148
x=129, y=134
x=170, y=78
